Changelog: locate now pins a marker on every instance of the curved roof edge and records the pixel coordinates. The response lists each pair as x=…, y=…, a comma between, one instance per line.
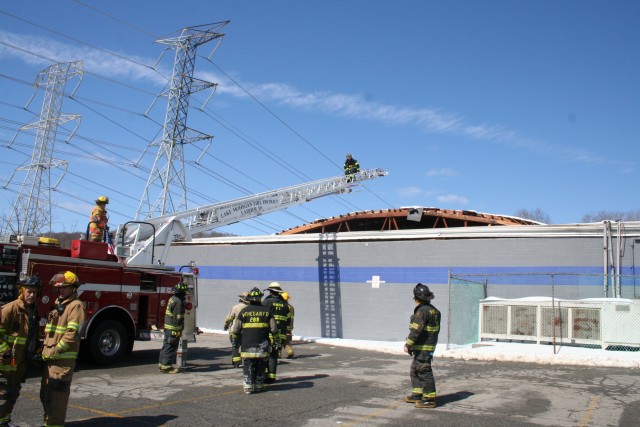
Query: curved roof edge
x=406, y=218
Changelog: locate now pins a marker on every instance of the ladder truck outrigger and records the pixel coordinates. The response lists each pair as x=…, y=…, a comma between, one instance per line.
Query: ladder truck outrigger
x=126, y=292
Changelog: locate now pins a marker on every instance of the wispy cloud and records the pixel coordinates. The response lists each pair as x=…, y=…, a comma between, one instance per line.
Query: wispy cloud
x=452, y=198
x=41, y=51
x=409, y=192
x=442, y=172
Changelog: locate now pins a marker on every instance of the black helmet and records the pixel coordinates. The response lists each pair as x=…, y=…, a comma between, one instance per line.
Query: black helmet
x=422, y=293
x=180, y=288
x=255, y=295
x=31, y=282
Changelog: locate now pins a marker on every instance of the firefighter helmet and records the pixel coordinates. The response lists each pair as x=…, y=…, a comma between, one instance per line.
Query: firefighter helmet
x=31, y=282
x=348, y=155
x=254, y=295
x=180, y=288
x=243, y=297
x=422, y=293
x=285, y=296
x=102, y=199
x=65, y=278
x=275, y=287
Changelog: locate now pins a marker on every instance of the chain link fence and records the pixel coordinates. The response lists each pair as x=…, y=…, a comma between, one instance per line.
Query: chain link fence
x=591, y=310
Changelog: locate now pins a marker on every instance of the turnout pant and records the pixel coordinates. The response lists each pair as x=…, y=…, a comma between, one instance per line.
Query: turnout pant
x=422, y=380
x=10, y=386
x=235, y=353
x=55, y=389
x=272, y=364
x=253, y=371
x=169, y=351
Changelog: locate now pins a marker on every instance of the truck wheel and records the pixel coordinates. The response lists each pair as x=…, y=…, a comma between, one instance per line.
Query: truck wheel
x=108, y=342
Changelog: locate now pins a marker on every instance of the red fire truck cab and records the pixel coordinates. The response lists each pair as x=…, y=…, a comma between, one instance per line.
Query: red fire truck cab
x=123, y=303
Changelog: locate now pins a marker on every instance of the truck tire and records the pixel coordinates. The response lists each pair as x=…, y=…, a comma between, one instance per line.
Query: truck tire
x=108, y=342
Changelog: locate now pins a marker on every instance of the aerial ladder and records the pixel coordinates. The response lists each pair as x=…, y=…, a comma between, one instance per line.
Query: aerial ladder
x=148, y=242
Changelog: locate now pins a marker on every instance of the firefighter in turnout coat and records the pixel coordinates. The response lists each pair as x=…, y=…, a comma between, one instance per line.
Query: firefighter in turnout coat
x=250, y=331
x=61, y=345
x=173, y=326
x=98, y=219
x=288, y=348
x=421, y=342
x=19, y=343
x=235, y=310
x=280, y=310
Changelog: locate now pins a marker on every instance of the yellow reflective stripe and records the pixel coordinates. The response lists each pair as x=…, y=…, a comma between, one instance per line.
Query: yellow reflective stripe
x=63, y=346
x=414, y=326
x=253, y=355
x=281, y=318
x=426, y=347
x=433, y=328
x=8, y=368
x=69, y=355
x=416, y=390
x=16, y=340
x=409, y=342
x=73, y=326
x=255, y=325
x=172, y=327
x=431, y=395
x=3, y=331
x=4, y=347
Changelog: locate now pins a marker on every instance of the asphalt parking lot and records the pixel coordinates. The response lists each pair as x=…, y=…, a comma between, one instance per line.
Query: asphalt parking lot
x=326, y=385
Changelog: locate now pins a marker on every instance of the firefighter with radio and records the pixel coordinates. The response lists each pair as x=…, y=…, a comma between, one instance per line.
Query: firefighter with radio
x=421, y=342
x=235, y=310
x=173, y=326
x=61, y=345
x=98, y=220
x=288, y=348
x=280, y=310
x=19, y=343
x=250, y=332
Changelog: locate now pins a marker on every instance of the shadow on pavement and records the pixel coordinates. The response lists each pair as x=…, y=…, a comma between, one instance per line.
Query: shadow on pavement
x=157, y=420
x=453, y=397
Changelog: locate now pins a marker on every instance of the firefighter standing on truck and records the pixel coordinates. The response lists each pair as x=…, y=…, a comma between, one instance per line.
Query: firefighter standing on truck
x=61, y=345
x=19, y=343
x=288, y=348
x=424, y=327
x=280, y=310
x=235, y=310
x=250, y=332
x=173, y=326
x=98, y=219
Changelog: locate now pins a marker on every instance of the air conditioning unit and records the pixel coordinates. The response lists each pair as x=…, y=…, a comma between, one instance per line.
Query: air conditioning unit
x=593, y=321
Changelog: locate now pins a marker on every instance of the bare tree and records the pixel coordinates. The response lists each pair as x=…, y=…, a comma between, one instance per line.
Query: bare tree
x=536, y=214
x=612, y=216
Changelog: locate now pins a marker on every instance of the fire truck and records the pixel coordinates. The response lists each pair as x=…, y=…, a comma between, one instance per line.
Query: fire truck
x=125, y=286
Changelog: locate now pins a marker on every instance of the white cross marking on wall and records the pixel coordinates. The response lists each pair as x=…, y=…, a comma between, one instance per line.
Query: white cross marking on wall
x=375, y=281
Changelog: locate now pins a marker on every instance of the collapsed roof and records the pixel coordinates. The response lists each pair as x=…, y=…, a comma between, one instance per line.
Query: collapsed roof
x=406, y=218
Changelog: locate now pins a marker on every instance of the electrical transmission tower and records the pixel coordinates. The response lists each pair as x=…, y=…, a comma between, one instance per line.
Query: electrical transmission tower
x=31, y=214
x=168, y=172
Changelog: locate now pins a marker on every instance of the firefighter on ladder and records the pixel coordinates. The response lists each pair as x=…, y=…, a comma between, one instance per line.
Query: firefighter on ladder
x=173, y=326
x=236, y=360
x=19, y=343
x=61, y=345
x=98, y=220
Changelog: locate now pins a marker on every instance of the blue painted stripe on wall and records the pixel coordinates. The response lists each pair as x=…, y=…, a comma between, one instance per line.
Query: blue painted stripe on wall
x=395, y=274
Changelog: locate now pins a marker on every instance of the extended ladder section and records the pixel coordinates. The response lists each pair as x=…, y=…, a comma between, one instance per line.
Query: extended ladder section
x=137, y=242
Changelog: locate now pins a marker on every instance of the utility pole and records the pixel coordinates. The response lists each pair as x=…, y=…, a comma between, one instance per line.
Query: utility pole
x=168, y=172
x=31, y=214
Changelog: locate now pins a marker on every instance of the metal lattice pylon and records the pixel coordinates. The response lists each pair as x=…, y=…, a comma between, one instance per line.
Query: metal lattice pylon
x=168, y=172
x=31, y=213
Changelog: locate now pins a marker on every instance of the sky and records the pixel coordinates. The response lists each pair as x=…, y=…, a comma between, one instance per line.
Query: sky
x=475, y=105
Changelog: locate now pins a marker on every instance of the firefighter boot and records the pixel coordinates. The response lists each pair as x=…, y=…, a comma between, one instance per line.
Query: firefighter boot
x=426, y=403
x=412, y=398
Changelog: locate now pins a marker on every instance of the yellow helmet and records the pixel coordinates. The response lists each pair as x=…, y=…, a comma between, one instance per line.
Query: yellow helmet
x=66, y=278
x=102, y=199
x=285, y=296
